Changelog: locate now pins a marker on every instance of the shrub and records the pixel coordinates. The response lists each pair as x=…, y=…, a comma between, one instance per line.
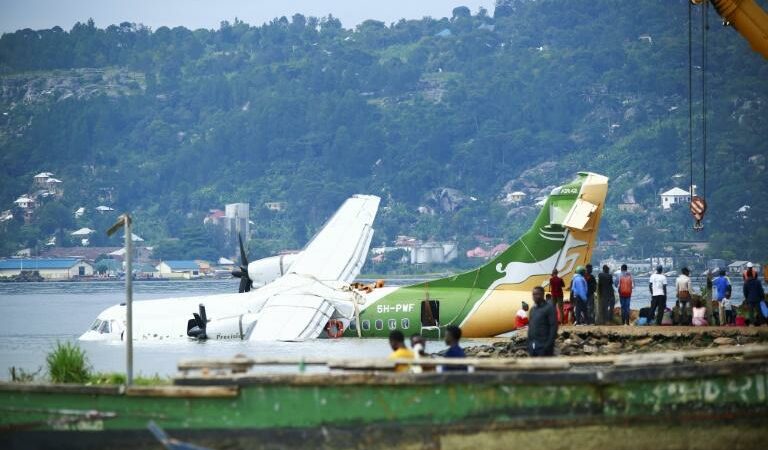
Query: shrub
x=67, y=363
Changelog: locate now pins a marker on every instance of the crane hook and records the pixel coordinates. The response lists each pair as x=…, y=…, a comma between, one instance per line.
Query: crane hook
x=698, y=208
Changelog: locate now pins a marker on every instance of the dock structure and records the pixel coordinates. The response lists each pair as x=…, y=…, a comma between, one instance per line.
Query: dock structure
x=718, y=395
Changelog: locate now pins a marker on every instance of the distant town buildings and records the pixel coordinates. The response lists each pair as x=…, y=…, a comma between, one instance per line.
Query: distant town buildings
x=275, y=206
x=419, y=252
x=49, y=269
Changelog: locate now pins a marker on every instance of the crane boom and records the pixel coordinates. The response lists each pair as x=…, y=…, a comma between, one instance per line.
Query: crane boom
x=746, y=17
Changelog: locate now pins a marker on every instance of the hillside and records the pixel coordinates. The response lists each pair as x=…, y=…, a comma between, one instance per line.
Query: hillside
x=171, y=123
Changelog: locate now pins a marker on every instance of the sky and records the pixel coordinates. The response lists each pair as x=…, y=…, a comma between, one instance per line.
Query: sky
x=39, y=14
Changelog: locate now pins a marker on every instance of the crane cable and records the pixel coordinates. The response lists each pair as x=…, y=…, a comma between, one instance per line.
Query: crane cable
x=698, y=204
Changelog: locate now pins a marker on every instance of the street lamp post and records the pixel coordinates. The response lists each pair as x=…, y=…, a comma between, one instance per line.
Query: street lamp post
x=125, y=222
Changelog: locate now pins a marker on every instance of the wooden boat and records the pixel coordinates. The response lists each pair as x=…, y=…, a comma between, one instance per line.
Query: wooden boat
x=719, y=397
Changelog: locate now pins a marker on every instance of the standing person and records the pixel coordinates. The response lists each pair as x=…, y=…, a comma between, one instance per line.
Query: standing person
x=556, y=285
x=452, y=338
x=625, y=284
x=579, y=296
x=684, y=288
x=399, y=350
x=606, y=297
x=521, y=319
x=591, y=289
x=658, y=287
x=721, y=286
x=542, y=327
x=753, y=295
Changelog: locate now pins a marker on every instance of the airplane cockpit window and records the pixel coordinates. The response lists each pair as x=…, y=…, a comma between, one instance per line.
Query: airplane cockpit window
x=392, y=324
x=105, y=328
x=95, y=324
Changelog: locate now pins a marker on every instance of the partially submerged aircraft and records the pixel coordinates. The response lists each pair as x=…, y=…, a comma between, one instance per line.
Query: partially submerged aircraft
x=314, y=298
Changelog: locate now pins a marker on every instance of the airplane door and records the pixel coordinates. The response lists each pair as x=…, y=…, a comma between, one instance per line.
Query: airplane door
x=430, y=318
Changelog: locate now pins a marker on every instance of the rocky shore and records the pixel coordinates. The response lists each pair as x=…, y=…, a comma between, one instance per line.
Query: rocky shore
x=613, y=340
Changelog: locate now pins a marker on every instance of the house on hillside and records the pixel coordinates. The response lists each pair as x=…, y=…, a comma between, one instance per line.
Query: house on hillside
x=514, y=197
x=186, y=269
x=103, y=209
x=673, y=197
x=41, y=179
x=50, y=269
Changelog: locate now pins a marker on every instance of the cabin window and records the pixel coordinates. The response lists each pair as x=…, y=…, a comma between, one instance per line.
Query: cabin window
x=95, y=324
x=392, y=324
x=366, y=325
x=379, y=324
x=105, y=328
x=405, y=324
x=430, y=313
x=352, y=325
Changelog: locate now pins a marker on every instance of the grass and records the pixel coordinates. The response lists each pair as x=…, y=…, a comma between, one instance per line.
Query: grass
x=68, y=363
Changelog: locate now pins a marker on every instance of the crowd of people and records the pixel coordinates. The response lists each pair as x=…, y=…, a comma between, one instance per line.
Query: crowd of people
x=593, y=299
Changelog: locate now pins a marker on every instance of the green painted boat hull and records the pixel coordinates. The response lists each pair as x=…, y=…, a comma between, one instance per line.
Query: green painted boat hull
x=416, y=411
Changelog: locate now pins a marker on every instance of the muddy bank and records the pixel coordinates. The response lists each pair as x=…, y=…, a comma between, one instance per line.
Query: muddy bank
x=595, y=340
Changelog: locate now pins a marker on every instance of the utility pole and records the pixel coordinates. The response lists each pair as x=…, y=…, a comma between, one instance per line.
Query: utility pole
x=125, y=221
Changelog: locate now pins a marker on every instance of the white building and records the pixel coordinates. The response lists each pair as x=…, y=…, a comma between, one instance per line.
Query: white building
x=515, y=197
x=179, y=269
x=434, y=253
x=674, y=196
x=236, y=219
x=24, y=202
x=50, y=269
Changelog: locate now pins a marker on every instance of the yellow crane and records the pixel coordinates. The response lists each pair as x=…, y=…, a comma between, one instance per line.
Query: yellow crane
x=746, y=17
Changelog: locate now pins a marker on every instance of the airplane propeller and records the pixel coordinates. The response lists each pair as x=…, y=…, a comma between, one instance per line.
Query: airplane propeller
x=196, y=326
x=242, y=272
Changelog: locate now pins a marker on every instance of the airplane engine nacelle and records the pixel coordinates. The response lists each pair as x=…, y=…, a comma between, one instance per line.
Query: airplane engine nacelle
x=237, y=327
x=266, y=270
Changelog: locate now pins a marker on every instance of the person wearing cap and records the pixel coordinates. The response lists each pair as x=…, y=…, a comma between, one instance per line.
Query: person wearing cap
x=658, y=287
x=746, y=275
x=521, y=319
x=579, y=296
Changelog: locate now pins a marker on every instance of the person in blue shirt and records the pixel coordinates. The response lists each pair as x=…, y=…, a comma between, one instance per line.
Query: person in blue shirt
x=452, y=338
x=722, y=287
x=579, y=296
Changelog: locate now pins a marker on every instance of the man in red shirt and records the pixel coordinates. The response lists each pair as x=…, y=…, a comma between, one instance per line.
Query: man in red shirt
x=556, y=289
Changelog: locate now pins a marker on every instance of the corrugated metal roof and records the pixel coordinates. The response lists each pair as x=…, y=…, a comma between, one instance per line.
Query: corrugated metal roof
x=182, y=265
x=34, y=264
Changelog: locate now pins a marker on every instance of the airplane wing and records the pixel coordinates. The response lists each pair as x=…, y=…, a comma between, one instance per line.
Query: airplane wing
x=338, y=251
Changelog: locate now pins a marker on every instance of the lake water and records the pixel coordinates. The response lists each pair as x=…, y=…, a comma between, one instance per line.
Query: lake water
x=37, y=315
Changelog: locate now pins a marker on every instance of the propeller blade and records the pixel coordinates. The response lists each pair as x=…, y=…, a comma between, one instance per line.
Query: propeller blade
x=240, y=273
x=245, y=285
x=203, y=316
x=243, y=258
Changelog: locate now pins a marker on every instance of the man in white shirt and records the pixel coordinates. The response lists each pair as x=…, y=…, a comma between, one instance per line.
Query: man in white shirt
x=658, y=286
x=684, y=289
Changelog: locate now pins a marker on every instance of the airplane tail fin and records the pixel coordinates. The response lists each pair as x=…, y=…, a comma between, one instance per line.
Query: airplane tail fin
x=562, y=236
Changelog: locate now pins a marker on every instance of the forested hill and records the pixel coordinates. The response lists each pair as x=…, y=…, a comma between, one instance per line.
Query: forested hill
x=446, y=114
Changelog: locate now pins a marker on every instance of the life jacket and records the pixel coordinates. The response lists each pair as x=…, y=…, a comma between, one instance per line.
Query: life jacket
x=625, y=285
